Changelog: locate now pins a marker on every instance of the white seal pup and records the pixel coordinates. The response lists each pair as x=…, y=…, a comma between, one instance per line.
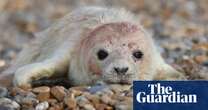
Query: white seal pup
x=92, y=44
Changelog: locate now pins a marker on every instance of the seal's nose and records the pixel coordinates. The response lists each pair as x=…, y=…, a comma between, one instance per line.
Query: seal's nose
x=121, y=71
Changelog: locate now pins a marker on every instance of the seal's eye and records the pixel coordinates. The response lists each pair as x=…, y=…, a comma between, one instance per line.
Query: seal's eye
x=138, y=54
x=102, y=54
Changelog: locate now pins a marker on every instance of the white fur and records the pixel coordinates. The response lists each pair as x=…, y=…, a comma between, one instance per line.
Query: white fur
x=51, y=53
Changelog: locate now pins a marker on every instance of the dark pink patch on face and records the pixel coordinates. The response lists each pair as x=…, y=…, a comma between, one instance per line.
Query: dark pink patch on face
x=107, y=32
x=120, y=27
x=127, y=27
x=131, y=45
x=93, y=67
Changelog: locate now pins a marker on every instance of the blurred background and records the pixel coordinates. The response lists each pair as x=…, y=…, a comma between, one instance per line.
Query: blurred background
x=179, y=27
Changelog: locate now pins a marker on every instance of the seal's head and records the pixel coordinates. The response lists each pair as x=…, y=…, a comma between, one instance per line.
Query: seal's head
x=116, y=53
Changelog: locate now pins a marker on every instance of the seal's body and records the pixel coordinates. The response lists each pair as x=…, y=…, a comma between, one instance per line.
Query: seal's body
x=92, y=44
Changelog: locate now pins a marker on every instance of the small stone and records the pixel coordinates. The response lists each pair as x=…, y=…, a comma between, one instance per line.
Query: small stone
x=202, y=46
x=88, y=107
x=75, y=92
x=17, y=91
x=25, y=107
x=96, y=88
x=107, y=100
x=42, y=89
x=58, y=92
x=27, y=101
x=7, y=103
x=79, y=88
x=129, y=93
x=81, y=101
x=107, y=91
x=2, y=63
x=2, y=107
x=58, y=106
x=52, y=108
x=3, y=92
x=200, y=59
x=52, y=102
x=124, y=105
x=119, y=97
x=205, y=63
x=103, y=107
x=42, y=106
x=117, y=88
x=43, y=93
x=92, y=98
x=2, y=7
x=70, y=102
x=43, y=96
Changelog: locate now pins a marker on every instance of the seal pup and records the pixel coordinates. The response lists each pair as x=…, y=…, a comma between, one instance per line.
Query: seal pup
x=90, y=45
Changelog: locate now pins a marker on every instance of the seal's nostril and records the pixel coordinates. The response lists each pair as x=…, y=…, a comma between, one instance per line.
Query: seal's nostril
x=116, y=70
x=121, y=70
x=125, y=69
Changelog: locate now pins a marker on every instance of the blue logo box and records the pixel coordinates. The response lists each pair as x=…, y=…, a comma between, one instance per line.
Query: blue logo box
x=170, y=95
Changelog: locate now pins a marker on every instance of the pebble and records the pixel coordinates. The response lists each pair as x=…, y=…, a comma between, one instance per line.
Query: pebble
x=17, y=91
x=42, y=106
x=116, y=88
x=88, y=107
x=128, y=93
x=81, y=101
x=9, y=104
x=52, y=108
x=58, y=92
x=59, y=106
x=103, y=107
x=92, y=98
x=202, y=46
x=205, y=63
x=121, y=106
x=75, y=92
x=28, y=101
x=70, y=102
x=43, y=96
x=2, y=63
x=200, y=59
x=108, y=92
x=3, y=92
x=96, y=88
x=2, y=107
x=42, y=89
x=43, y=93
x=106, y=99
x=52, y=102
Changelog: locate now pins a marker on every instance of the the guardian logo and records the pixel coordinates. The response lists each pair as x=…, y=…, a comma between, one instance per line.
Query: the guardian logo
x=170, y=95
x=164, y=94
